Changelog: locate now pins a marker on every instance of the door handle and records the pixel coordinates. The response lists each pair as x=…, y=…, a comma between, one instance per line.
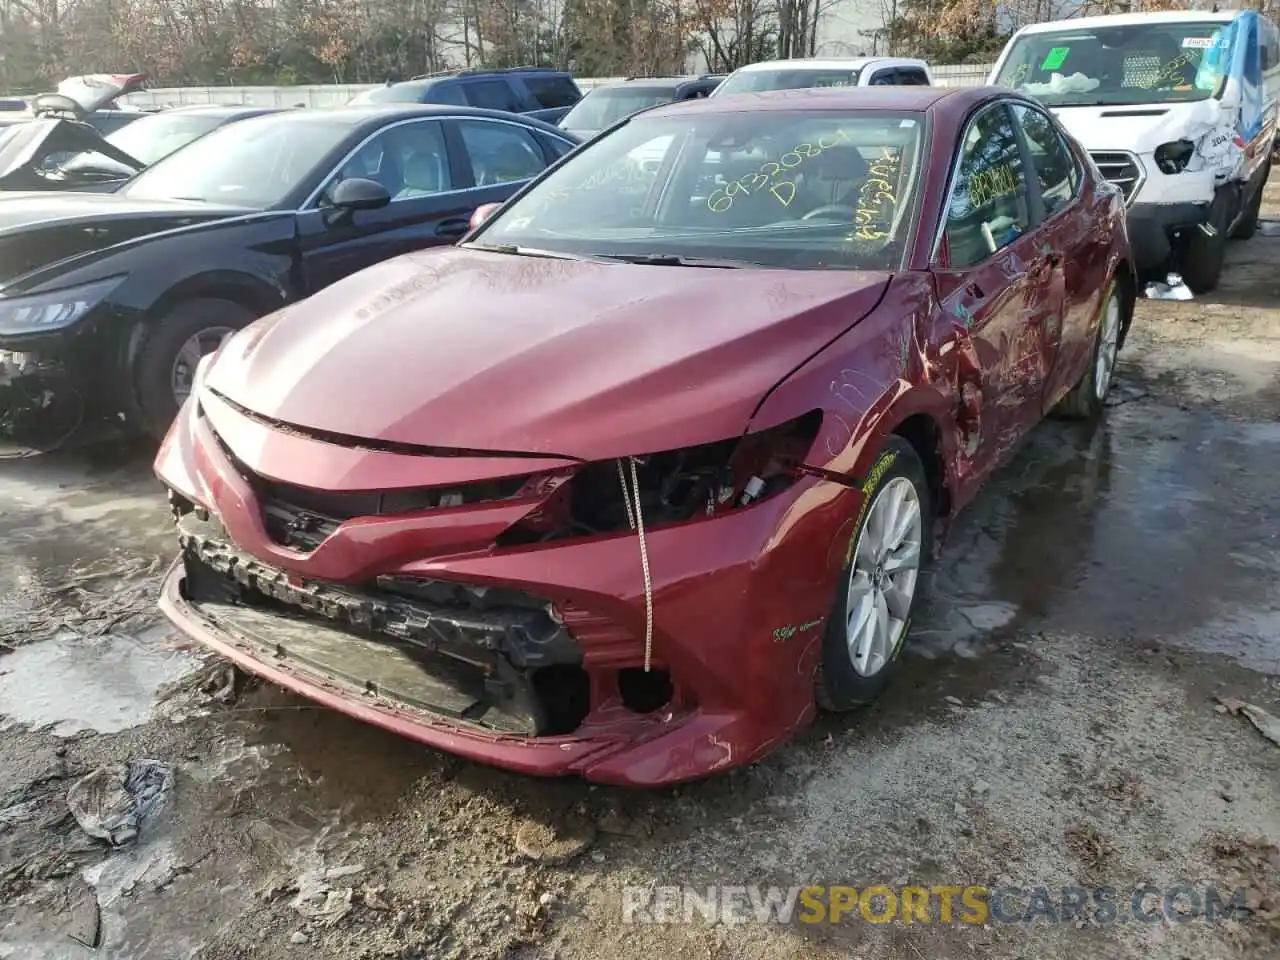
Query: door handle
x=454, y=227
x=973, y=290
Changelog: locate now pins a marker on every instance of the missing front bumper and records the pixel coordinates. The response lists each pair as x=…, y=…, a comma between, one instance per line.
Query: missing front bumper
x=508, y=670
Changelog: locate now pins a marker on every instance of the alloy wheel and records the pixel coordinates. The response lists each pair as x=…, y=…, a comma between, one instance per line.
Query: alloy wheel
x=184, y=364
x=883, y=576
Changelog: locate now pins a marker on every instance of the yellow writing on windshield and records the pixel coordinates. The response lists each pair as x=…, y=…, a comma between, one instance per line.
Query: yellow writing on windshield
x=771, y=176
x=991, y=184
x=877, y=198
x=1171, y=71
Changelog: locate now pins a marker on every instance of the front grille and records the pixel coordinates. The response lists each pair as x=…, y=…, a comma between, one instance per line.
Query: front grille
x=1121, y=169
x=303, y=518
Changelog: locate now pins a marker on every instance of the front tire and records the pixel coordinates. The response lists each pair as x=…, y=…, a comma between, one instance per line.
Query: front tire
x=1088, y=398
x=878, y=587
x=174, y=345
x=1201, y=262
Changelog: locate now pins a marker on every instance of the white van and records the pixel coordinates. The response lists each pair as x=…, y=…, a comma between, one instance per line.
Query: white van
x=826, y=72
x=1177, y=108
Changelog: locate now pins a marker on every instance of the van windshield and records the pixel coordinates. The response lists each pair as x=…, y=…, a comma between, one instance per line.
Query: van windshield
x=1122, y=64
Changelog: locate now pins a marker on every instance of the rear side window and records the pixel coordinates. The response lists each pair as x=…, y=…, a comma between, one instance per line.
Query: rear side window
x=447, y=93
x=491, y=95
x=552, y=92
x=500, y=152
x=1055, y=167
x=912, y=77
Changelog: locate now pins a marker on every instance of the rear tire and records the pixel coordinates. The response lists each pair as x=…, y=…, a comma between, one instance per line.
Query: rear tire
x=1088, y=398
x=1201, y=261
x=880, y=582
x=1248, y=225
x=168, y=351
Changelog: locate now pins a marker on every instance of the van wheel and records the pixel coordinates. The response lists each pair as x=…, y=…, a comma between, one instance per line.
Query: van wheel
x=174, y=345
x=1248, y=225
x=1201, y=260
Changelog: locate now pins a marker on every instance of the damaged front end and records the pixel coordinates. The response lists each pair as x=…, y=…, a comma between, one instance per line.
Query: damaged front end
x=597, y=618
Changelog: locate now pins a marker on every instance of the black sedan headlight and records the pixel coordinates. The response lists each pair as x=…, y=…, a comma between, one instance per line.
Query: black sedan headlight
x=51, y=310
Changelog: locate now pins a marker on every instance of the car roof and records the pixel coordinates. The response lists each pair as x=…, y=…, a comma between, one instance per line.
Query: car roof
x=1132, y=19
x=823, y=63
x=217, y=110
x=372, y=115
x=911, y=98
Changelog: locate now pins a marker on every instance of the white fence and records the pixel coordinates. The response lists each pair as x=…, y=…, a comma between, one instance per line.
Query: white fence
x=332, y=95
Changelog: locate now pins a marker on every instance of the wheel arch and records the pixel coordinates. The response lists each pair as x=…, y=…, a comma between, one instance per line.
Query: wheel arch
x=1126, y=279
x=255, y=295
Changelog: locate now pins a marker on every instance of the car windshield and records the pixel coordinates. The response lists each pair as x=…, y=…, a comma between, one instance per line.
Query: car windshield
x=816, y=190
x=257, y=162
x=788, y=78
x=1134, y=63
x=603, y=108
x=158, y=135
x=400, y=93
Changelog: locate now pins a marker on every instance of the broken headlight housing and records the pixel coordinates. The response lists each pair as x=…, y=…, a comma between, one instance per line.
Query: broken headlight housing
x=676, y=486
x=1173, y=157
x=53, y=310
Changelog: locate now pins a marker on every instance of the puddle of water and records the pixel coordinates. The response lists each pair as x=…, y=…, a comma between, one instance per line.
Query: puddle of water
x=72, y=684
x=1156, y=525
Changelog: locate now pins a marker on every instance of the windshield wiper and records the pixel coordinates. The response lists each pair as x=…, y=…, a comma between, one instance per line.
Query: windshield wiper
x=675, y=260
x=518, y=251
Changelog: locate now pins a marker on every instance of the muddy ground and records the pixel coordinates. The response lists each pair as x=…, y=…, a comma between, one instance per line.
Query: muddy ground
x=1056, y=723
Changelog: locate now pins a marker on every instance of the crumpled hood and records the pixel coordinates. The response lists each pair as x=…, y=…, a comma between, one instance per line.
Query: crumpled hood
x=469, y=349
x=1140, y=128
x=25, y=149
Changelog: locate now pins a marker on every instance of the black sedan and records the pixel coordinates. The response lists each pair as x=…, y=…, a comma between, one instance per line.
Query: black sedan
x=108, y=301
x=67, y=154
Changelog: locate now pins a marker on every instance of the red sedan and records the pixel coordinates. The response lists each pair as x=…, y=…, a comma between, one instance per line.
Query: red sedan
x=647, y=468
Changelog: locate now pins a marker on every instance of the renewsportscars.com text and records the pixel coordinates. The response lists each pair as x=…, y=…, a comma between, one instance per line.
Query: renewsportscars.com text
x=974, y=905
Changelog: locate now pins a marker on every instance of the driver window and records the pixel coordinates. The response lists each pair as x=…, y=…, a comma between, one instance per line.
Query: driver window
x=410, y=160
x=989, y=207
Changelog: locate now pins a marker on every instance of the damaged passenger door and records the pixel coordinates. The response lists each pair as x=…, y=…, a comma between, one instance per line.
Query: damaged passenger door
x=1072, y=257
x=427, y=207
x=989, y=268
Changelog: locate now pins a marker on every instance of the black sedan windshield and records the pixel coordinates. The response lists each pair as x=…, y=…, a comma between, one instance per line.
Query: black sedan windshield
x=257, y=162
x=819, y=189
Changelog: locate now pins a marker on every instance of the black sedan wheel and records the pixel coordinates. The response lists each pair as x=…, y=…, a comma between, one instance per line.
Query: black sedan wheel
x=167, y=366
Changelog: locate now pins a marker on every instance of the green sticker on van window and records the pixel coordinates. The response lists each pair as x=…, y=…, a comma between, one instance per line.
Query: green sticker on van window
x=1055, y=58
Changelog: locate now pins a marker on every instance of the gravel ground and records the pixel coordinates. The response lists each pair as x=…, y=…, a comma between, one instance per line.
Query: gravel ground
x=1057, y=724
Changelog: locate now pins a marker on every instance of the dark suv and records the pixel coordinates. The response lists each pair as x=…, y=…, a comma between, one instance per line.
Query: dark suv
x=539, y=92
x=602, y=107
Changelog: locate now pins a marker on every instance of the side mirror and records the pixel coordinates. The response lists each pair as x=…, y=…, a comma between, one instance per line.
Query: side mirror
x=359, y=194
x=483, y=213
